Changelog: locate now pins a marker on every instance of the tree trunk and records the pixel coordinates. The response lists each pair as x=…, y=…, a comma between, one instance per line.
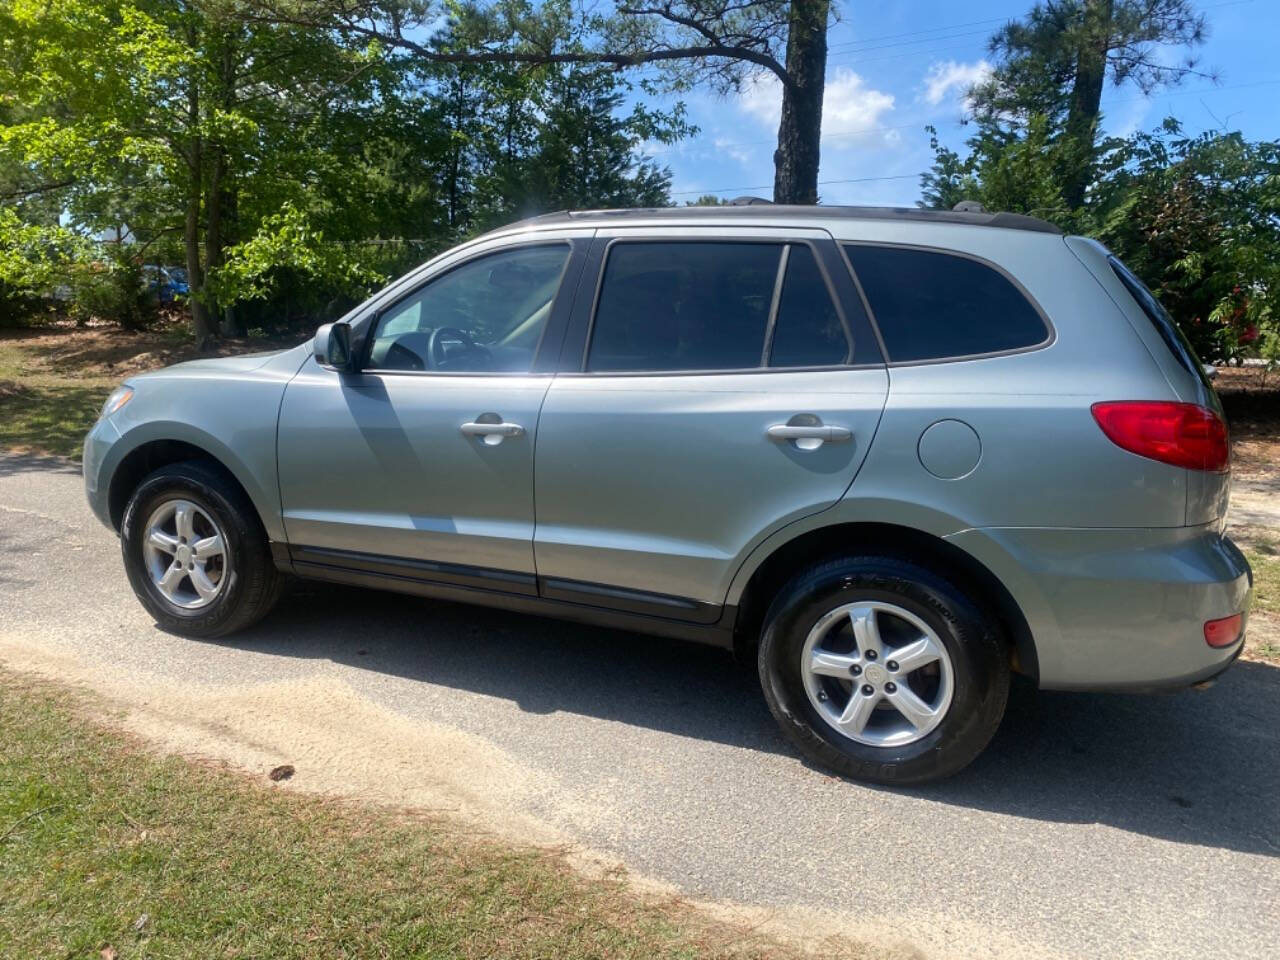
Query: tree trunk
x=220, y=201
x=200, y=323
x=1086, y=97
x=795, y=178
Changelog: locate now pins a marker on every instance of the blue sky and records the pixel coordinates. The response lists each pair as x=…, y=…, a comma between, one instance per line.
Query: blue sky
x=895, y=67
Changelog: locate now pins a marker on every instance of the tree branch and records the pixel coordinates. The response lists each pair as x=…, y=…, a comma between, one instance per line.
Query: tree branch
x=33, y=191
x=615, y=58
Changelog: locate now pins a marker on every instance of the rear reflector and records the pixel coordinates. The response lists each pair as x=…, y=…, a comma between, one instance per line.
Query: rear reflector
x=1224, y=632
x=1181, y=434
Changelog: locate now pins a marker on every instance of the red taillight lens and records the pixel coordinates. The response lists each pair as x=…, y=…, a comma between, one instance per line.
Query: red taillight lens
x=1224, y=632
x=1183, y=434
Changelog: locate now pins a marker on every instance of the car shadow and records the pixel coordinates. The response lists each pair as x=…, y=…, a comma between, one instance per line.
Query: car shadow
x=12, y=464
x=1198, y=767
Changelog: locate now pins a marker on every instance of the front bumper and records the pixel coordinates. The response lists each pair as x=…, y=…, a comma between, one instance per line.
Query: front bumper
x=97, y=444
x=1119, y=609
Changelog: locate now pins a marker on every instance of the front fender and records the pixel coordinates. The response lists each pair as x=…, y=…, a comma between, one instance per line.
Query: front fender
x=229, y=415
x=254, y=466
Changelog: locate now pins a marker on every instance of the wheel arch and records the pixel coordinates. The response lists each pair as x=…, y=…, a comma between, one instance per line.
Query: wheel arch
x=886, y=539
x=152, y=454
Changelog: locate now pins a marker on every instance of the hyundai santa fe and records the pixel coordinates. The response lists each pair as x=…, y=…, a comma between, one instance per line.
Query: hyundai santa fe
x=892, y=456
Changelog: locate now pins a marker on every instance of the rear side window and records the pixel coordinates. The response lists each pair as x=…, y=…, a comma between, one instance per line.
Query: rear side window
x=684, y=306
x=1174, y=339
x=808, y=331
x=934, y=306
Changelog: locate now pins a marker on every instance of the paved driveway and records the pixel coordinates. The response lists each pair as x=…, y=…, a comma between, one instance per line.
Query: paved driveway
x=1094, y=826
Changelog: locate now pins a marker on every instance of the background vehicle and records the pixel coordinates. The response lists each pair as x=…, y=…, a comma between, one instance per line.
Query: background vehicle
x=166, y=284
x=893, y=455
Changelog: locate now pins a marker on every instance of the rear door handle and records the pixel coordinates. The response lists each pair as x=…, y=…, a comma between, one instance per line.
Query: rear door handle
x=785, y=431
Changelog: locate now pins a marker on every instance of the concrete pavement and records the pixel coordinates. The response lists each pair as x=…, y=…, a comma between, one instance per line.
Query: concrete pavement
x=1094, y=826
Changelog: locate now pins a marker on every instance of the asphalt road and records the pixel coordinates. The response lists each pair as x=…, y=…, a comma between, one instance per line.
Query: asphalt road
x=1093, y=826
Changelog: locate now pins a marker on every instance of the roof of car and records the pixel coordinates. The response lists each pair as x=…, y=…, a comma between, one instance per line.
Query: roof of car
x=756, y=209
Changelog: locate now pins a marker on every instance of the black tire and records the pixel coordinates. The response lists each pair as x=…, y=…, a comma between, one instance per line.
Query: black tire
x=252, y=581
x=979, y=661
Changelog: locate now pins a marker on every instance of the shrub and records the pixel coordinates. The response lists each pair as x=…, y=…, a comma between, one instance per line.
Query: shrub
x=112, y=290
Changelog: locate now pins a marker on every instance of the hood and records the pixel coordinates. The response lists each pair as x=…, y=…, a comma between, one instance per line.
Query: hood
x=289, y=359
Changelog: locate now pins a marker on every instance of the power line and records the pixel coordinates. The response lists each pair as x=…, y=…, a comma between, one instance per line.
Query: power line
x=855, y=132
x=869, y=44
x=909, y=43
x=765, y=186
x=917, y=33
x=924, y=122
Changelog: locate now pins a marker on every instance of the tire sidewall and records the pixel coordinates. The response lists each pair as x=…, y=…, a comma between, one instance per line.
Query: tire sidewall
x=979, y=672
x=182, y=482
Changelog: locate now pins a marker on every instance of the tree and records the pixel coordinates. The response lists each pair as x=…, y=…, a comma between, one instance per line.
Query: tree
x=718, y=42
x=1055, y=62
x=1198, y=218
x=152, y=113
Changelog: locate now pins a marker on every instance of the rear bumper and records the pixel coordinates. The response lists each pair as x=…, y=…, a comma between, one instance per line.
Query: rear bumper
x=1119, y=609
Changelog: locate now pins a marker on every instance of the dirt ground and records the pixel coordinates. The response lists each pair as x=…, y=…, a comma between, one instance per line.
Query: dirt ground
x=96, y=351
x=1251, y=398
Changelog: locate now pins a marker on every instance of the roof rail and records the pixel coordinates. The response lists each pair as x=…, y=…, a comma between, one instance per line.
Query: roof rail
x=792, y=213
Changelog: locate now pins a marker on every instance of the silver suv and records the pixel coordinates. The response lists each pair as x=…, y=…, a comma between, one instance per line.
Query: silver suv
x=892, y=456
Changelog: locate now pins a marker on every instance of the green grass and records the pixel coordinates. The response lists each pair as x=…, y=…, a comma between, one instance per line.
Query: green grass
x=44, y=411
x=103, y=845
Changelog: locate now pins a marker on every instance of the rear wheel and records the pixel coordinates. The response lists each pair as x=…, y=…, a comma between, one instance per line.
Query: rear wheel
x=195, y=552
x=883, y=670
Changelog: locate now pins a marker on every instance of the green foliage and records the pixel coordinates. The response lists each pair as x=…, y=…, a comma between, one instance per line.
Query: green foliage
x=294, y=166
x=112, y=289
x=34, y=259
x=1015, y=172
x=1199, y=219
x=287, y=243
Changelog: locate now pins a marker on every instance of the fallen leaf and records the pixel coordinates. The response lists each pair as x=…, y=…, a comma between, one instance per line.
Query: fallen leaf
x=141, y=922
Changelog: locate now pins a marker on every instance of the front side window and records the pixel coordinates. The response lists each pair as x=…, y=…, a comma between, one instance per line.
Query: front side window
x=684, y=306
x=486, y=315
x=933, y=306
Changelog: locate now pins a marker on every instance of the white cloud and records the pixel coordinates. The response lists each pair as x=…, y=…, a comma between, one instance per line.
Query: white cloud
x=944, y=78
x=851, y=111
x=737, y=151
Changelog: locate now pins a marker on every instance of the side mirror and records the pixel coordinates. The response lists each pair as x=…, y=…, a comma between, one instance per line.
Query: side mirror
x=333, y=346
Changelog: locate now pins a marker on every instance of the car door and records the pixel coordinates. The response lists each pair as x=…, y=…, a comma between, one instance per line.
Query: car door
x=420, y=465
x=715, y=385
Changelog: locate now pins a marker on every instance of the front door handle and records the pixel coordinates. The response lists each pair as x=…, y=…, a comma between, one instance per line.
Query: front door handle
x=821, y=432
x=491, y=431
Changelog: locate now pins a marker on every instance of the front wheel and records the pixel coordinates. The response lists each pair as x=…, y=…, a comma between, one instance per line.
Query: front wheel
x=195, y=552
x=883, y=670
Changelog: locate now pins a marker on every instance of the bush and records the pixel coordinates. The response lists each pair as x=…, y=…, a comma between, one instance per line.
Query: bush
x=18, y=308
x=112, y=290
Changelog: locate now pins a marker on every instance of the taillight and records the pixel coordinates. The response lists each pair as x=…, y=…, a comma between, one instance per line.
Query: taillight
x=1183, y=434
x=1224, y=632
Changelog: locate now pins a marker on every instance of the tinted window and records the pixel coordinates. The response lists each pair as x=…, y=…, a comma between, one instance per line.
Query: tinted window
x=486, y=315
x=684, y=306
x=934, y=305
x=1178, y=344
x=808, y=331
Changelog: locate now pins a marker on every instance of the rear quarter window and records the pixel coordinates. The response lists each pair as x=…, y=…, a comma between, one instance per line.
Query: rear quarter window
x=931, y=305
x=1160, y=318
